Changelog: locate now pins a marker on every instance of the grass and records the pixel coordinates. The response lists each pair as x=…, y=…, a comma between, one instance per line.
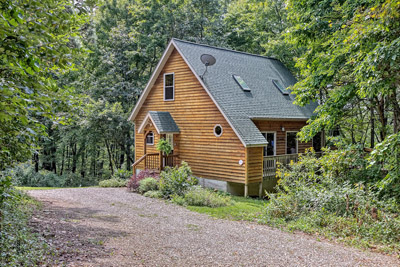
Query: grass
x=242, y=209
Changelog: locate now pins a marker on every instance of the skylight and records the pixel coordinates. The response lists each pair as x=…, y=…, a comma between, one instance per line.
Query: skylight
x=280, y=87
x=242, y=83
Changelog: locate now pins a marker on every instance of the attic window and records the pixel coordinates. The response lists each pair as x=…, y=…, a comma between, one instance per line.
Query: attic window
x=169, y=84
x=242, y=83
x=280, y=87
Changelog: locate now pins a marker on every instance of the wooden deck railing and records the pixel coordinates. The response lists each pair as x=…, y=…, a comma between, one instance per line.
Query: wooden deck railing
x=153, y=161
x=270, y=163
x=171, y=160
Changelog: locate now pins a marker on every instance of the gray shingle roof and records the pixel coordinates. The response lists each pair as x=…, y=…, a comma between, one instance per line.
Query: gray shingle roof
x=264, y=101
x=164, y=122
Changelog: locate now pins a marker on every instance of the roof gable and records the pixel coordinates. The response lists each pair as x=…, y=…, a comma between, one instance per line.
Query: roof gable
x=239, y=107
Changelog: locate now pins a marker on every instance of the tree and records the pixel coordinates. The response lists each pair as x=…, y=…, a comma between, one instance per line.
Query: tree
x=352, y=68
x=34, y=50
x=259, y=27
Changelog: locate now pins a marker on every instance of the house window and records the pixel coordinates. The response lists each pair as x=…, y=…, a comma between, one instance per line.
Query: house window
x=291, y=143
x=150, y=138
x=270, y=149
x=317, y=142
x=169, y=84
x=218, y=130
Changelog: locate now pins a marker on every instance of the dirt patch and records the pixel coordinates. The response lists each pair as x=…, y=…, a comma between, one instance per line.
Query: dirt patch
x=72, y=243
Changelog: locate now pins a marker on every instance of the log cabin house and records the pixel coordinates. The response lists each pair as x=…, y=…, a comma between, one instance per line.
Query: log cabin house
x=231, y=122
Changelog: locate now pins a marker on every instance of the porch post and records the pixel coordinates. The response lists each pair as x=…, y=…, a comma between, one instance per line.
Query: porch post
x=144, y=148
x=260, y=186
x=246, y=178
x=160, y=161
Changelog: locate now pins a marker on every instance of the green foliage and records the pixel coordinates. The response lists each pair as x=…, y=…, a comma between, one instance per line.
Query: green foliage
x=198, y=196
x=35, y=49
x=25, y=175
x=259, y=27
x=153, y=194
x=164, y=146
x=122, y=174
x=113, y=182
x=148, y=184
x=387, y=155
x=350, y=66
x=315, y=195
x=177, y=199
x=18, y=245
x=176, y=180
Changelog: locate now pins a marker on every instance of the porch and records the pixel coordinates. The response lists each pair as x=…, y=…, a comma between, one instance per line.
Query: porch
x=156, y=161
x=271, y=162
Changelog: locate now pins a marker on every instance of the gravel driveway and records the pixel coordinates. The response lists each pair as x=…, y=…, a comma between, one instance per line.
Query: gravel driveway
x=137, y=231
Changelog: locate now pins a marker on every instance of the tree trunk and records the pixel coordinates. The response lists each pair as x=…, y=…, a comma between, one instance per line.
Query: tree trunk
x=372, y=128
x=110, y=157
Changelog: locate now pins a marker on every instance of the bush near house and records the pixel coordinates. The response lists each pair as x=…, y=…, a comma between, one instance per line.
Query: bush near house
x=148, y=184
x=179, y=185
x=327, y=196
x=133, y=183
x=153, y=194
x=176, y=181
x=198, y=196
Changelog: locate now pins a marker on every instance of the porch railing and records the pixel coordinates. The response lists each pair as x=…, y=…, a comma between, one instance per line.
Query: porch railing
x=270, y=163
x=170, y=160
x=155, y=161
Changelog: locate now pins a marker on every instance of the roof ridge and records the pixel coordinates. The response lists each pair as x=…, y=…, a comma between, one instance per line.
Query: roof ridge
x=225, y=49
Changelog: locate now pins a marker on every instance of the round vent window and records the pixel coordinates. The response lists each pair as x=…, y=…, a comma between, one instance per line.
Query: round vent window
x=218, y=130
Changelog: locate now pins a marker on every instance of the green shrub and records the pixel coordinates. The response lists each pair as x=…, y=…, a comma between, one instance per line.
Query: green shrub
x=153, y=194
x=122, y=174
x=148, y=184
x=319, y=195
x=24, y=175
x=113, y=183
x=18, y=245
x=176, y=180
x=198, y=196
x=177, y=199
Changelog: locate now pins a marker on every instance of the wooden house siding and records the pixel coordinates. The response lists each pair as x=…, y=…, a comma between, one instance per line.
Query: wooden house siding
x=196, y=115
x=276, y=126
x=255, y=161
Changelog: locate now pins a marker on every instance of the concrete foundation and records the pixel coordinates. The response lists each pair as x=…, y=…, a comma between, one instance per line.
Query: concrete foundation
x=215, y=184
x=239, y=189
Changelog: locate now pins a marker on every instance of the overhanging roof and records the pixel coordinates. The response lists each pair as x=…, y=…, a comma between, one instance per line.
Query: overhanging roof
x=239, y=107
x=162, y=121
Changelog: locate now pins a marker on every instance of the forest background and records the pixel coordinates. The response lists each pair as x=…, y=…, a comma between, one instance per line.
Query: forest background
x=65, y=101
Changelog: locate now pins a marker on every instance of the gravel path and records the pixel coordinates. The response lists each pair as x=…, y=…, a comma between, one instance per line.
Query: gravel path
x=151, y=232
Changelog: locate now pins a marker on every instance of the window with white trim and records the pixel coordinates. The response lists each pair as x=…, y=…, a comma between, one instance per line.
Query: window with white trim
x=218, y=130
x=169, y=86
x=150, y=138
